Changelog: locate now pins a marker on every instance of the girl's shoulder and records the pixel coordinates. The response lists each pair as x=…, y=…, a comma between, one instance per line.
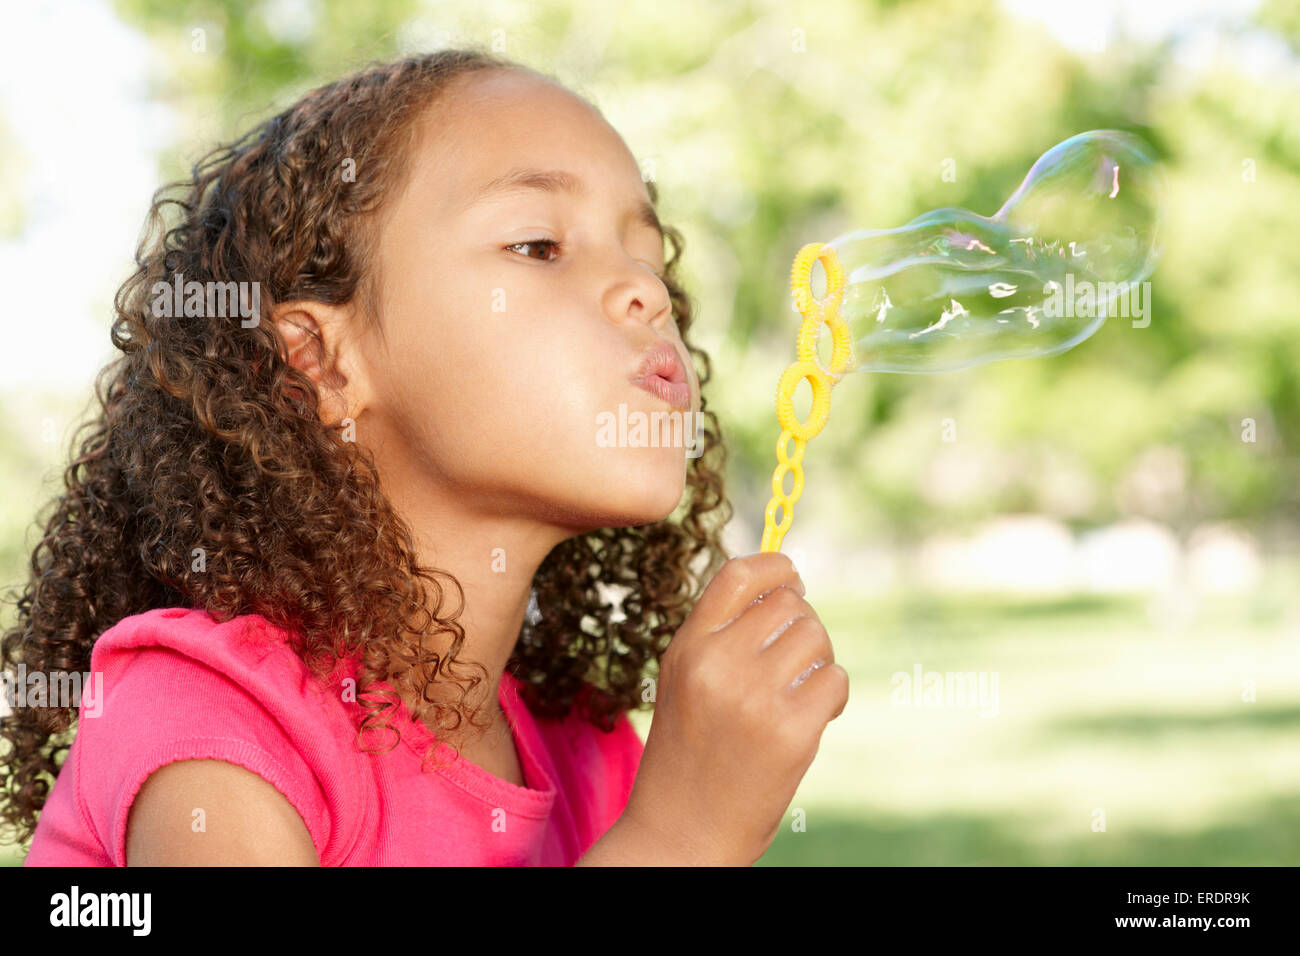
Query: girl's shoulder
x=173, y=672
x=188, y=644
x=243, y=643
x=176, y=684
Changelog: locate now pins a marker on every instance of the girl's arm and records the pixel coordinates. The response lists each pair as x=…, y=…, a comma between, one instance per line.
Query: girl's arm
x=247, y=822
x=631, y=842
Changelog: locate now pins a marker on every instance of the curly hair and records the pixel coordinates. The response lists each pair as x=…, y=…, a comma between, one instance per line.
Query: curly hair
x=203, y=434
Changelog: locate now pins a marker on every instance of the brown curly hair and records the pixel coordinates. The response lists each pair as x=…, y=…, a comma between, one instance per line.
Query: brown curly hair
x=204, y=433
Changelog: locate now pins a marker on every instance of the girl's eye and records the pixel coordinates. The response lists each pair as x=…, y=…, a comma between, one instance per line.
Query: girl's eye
x=536, y=242
x=557, y=246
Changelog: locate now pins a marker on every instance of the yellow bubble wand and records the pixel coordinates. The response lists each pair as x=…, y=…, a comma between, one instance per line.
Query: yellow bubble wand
x=815, y=312
x=1070, y=200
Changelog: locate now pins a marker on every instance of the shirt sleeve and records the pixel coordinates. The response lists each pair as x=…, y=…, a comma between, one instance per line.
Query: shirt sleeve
x=158, y=706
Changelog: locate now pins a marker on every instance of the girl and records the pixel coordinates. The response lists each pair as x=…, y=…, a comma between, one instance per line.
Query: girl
x=450, y=275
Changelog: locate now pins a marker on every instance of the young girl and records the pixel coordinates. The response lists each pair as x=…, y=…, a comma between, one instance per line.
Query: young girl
x=448, y=273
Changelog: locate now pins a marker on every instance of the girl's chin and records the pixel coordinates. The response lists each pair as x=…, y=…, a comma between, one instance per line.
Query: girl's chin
x=643, y=502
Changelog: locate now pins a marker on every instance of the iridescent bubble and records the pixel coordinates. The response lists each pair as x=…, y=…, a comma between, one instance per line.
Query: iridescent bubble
x=952, y=289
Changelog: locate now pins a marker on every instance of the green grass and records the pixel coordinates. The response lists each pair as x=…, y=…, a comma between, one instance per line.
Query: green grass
x=1099, y=707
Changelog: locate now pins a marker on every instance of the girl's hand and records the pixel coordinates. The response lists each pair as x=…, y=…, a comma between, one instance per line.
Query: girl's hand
x=746, y=688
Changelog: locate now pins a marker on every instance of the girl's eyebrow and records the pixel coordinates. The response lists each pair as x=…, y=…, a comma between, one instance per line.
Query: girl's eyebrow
x=554, y=181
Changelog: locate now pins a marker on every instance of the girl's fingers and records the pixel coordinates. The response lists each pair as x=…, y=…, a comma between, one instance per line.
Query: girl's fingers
x=739, y=583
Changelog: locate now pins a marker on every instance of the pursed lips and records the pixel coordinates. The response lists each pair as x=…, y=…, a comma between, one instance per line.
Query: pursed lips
x=661, y=374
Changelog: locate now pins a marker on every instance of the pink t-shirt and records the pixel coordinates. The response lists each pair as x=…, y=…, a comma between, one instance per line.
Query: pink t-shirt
x=178, y=685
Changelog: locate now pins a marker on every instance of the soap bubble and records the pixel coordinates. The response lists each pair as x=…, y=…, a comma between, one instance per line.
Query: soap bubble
x=952, y=289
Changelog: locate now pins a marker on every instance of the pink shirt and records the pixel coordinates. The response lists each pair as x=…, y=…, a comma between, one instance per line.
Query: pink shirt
x=178, y=685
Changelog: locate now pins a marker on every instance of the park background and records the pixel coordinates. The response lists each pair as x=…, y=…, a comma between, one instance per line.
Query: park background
x=1114, y=532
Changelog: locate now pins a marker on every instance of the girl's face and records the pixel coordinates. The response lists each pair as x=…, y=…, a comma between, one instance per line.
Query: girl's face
x=513, y=319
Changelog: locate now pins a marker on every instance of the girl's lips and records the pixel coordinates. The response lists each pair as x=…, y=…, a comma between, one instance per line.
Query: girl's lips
x=677, y=394
x=661, y=374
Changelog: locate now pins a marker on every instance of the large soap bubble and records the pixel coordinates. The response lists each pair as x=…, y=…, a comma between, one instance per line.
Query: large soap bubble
x=952, y=289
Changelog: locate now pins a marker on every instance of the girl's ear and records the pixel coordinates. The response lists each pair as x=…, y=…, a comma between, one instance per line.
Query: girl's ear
x=315, y=335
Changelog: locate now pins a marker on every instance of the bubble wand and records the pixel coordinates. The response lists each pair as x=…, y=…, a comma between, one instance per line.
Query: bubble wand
x=1068, y=245
x=815, y=312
